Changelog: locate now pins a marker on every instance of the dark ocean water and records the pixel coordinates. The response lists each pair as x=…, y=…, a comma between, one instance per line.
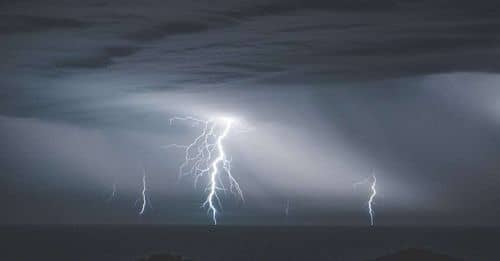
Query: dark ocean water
x=233, y=243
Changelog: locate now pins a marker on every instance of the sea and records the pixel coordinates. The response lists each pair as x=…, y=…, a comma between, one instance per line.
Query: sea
x=240, y=243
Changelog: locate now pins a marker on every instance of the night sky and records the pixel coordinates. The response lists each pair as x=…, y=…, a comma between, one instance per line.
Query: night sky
x=332, y=91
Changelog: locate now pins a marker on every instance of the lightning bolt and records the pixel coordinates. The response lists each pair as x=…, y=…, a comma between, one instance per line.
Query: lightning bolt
x=206, y=156
x=287, y=208
x=370, y=201
x=143, y=193
x=372, y=195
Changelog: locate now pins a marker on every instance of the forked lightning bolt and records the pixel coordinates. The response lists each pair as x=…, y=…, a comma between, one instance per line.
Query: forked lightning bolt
x=207, y=156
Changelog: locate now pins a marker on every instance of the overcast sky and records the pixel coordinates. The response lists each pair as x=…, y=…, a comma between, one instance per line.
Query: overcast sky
x=332, y=91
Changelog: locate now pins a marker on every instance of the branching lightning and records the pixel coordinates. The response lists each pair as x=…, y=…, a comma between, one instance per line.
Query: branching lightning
x=372, y=195
x=206, y=155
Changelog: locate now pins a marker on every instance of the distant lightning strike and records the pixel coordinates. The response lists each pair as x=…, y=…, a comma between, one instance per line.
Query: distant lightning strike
x=372, y=196
x=113, y=193
x=143, y=193
x=207, y=156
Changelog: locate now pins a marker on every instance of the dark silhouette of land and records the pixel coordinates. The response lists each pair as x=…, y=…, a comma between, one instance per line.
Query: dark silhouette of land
x=413, y=254
x=164, y=257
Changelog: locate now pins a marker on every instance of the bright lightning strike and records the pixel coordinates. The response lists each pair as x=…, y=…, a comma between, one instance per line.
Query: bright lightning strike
x=372, y=195
x=370, y=201
x=207, y=156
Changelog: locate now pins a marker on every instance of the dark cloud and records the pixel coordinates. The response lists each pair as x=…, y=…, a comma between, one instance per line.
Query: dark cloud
x=168, y=29
x=322, y=27
x=332, y=40
x=103, y=59
x=339, y=40
x=281, y=7
x=254, y=68
x=12, y=24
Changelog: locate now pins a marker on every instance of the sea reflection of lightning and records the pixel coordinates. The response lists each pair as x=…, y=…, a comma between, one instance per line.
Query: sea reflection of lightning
x=207, y=156
x=372, y=195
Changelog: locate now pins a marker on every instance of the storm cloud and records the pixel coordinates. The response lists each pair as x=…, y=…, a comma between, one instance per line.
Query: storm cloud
x=334, y=90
